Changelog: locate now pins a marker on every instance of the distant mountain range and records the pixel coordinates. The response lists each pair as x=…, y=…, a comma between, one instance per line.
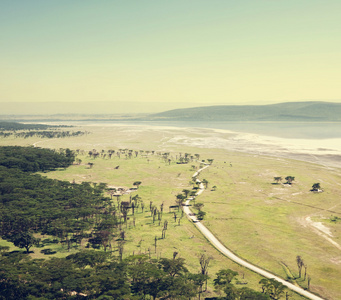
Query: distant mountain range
x=289, y=111
x=313, y=111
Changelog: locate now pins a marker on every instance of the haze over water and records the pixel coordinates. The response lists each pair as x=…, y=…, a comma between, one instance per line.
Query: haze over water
x=314, y=142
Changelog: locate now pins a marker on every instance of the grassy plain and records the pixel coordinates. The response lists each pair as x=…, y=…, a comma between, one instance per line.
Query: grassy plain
x=262, y=222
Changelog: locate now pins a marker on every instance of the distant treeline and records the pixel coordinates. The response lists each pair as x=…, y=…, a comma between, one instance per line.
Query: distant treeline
x=42, y=134
x=12, y=126
x=20, y=130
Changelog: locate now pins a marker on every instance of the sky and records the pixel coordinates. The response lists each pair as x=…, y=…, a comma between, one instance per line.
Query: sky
x=185, y=52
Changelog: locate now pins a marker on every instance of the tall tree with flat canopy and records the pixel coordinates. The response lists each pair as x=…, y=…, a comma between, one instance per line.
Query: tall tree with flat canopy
x=25, y=240
x=289, y=179
x=316, y=187
x=179, y=200
x=137, y=183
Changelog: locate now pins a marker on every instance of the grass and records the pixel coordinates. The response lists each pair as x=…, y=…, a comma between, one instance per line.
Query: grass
x=260, y=221
x=263, y=221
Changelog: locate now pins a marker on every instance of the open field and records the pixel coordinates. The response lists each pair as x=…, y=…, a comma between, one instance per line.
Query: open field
x=267, y=224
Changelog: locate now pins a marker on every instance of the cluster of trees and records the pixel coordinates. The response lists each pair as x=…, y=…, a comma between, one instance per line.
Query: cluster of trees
x=31, y=204
x=289, y=179
x=316, y=187
x=300, y=265
x=271, y=289
x=127, y=153
x=31, y=159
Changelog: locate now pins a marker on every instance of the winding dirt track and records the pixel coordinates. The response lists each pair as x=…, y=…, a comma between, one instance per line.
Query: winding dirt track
x=214, y=241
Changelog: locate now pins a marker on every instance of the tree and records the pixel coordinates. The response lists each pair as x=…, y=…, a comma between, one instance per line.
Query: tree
x=289, y=179
x=272, y=287
x=205, y=182
x=186, y=192
x=201, y=215
x=204, y=263
x=309, y=280
x=25, y=240
x=224, y=277
x=88, y=258
x=300, y=264
x=173, y=267
x=137, y=183
x=278, y=179
x=248, y=294
x=222, y=282
x=316, y=187
x=198, y=206
x=179, y=200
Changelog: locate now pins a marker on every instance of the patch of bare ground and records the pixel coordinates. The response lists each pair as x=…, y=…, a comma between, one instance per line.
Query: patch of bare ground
x=320, y=229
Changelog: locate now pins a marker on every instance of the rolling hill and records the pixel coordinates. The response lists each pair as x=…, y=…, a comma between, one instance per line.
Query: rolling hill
x=289, y=111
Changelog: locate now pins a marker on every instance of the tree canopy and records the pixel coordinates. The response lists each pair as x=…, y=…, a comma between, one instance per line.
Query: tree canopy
x=32, y=159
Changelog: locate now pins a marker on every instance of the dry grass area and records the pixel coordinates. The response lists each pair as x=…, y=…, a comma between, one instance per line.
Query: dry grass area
x=262, y=222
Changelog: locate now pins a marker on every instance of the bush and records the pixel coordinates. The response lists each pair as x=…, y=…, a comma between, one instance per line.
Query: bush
x=201, y=215
x=48, y=251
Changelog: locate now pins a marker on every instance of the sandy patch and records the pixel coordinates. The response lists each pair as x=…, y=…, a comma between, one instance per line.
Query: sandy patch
x=319, y=226
x=321, y=230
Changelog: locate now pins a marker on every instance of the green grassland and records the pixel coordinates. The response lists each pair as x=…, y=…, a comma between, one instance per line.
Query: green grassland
x=260, y=221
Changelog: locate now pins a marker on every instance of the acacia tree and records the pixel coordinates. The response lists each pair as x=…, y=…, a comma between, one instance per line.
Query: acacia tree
x=278, y=179
x=289, y=179
x=316, y=187
x=25, y=240
x=198, y=206
x=272, y=287
x=137, y=183
x=200, y=215
x=223, y=280
x=186, y=192
x=179, y=200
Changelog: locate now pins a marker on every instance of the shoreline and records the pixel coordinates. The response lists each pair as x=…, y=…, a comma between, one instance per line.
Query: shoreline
x=325, y=152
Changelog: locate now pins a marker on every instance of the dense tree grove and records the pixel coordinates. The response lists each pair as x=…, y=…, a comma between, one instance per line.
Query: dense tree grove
x=93, y=274
x=31, y=159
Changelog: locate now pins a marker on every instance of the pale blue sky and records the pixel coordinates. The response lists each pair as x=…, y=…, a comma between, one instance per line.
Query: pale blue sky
x=200, y=52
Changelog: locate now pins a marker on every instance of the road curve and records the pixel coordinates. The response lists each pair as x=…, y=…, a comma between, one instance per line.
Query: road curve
x=214, y=241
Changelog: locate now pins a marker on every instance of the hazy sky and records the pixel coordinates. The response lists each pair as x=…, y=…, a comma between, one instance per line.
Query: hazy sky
x=188, y=51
